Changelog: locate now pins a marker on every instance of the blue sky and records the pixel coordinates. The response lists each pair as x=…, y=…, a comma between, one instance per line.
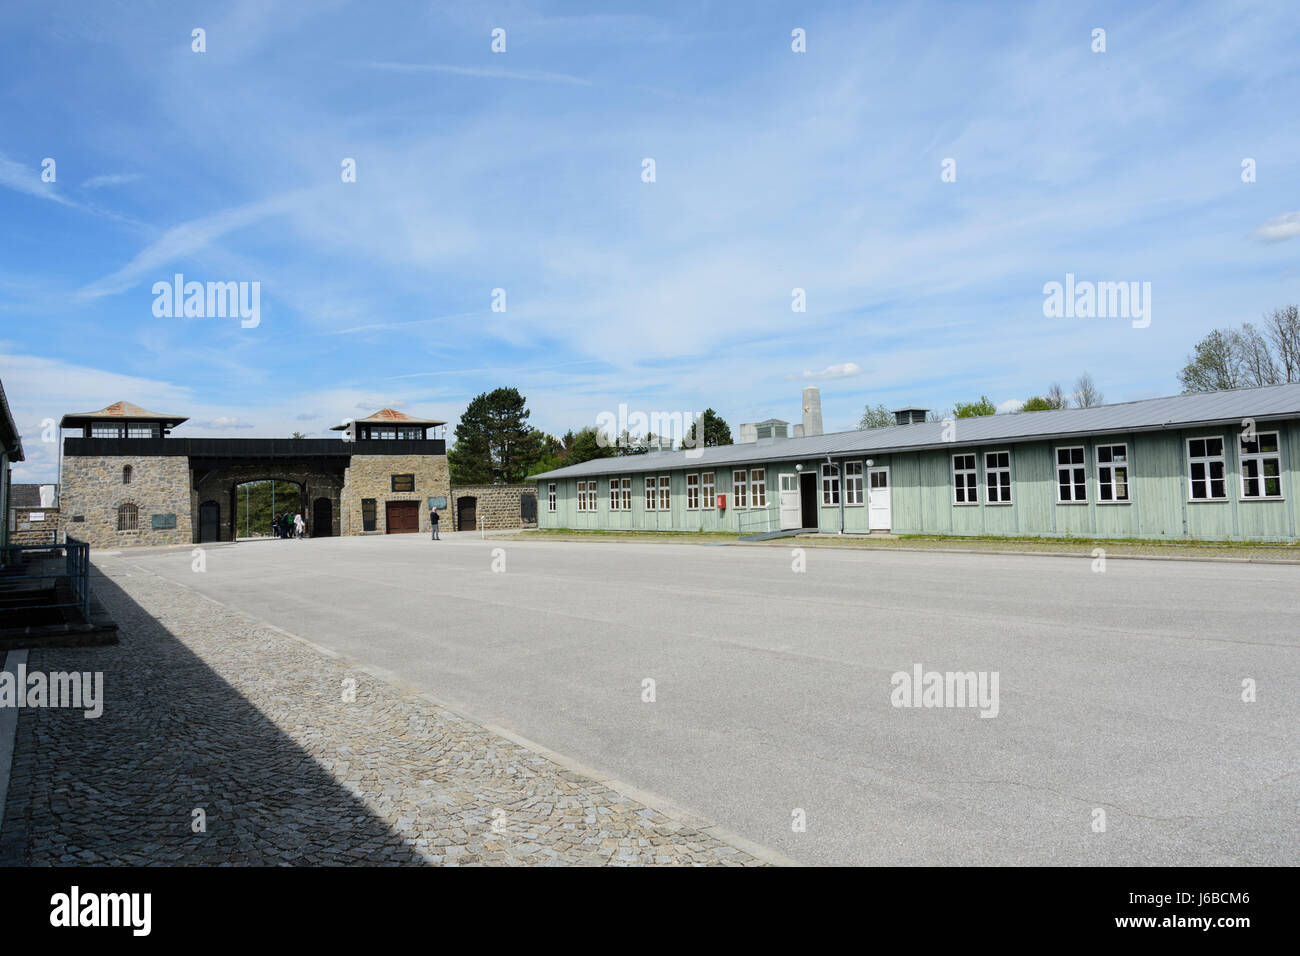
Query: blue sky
x=522, y=170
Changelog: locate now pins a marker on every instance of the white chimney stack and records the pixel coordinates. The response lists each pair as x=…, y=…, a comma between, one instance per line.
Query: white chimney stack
x=812, y=411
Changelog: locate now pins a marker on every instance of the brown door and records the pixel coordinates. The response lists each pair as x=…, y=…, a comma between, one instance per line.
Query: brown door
x=403, y=517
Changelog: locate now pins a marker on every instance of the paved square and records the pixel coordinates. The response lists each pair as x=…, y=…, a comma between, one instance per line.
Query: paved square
x=1119, y=691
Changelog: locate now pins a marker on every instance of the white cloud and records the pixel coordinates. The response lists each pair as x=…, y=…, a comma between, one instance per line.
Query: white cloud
x=843, y=370
x=1279, y=228
x=1010, y=405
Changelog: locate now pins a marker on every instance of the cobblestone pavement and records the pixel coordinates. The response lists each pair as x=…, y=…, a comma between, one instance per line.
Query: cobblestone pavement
x=208, y=710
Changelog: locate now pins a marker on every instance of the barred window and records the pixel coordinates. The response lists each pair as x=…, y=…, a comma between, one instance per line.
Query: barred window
x=126, y=474
x=128, y=517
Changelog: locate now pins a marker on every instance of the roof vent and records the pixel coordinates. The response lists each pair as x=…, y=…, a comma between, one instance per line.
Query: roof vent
x=910, y=415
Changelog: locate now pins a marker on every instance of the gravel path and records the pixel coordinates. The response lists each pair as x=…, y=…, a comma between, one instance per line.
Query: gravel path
x=207, y=710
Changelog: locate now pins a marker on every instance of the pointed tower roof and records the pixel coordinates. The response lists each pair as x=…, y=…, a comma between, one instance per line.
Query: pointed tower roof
x=120, y=412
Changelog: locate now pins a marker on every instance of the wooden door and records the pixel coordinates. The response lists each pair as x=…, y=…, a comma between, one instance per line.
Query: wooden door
x=403, y=517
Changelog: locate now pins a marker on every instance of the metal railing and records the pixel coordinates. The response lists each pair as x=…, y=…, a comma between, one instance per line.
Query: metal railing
x=756, y=521
x=75, y=569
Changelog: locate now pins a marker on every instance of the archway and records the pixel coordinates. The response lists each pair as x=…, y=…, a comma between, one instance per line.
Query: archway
x=255, y=501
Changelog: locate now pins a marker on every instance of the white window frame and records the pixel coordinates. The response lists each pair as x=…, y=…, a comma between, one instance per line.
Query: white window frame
x=830, y=485
x=627, y=494
x=651, y=493
x=614, y=499
x=708, y=491
x=1207, y=460
x=665, y=493
x=758, y=488
x=550, y=497
x=739, y=489
x=1073, y=470
x=1260, y=457
x=990, y=487
x=582, y=496
x=1112, y=467
x=853, y=486
x=693, y=492
x=971, y=490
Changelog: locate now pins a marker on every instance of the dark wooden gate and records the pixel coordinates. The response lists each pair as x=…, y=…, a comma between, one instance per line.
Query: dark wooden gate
x=403, y=517
x=322, y=518
x=466, y=513
x=209, y=521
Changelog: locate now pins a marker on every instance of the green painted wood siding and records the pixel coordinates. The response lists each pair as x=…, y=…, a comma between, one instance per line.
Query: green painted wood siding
x=921, y=493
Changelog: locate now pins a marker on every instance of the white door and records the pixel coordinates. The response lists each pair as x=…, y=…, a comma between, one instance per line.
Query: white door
x=878, y=499
x=791, y=515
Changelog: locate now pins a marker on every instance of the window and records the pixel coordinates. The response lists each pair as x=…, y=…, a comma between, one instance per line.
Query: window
x=107, y=430
x=128, y=518
x=963, y=480
x=665, y=503
x=550, y=496
x=614, y=500
x=651, y=493
x=405, y=483
x=1261, y=466
x=587, y=491
x=830, y=485
x=853, y=483
x=126, y=474
x=997, y=477
x=1112, y=473
x=391, y=433
x=142, y=430
x=1071, y=475
x=627, y=494
x=738, y=484
x=368, y=514
x=692, y=492
x=1205, y=469
x=758, y=488
x=709, y=486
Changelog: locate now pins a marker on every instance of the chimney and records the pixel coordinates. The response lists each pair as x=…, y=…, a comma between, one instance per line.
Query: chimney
x=798, y=431
x=910, y=415
x=748, y=434
x=812, y=411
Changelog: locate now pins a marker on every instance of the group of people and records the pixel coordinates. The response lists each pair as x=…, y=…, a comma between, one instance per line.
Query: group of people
x=288, y=525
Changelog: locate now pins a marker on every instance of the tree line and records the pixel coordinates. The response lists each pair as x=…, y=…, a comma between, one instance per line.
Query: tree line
x=1247, y=357
x=496, y=444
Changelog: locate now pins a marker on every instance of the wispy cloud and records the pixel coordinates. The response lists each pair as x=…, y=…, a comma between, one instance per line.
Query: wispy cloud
x=18, y=177
x=111, y=179
x=489, y=73
x=843, y=370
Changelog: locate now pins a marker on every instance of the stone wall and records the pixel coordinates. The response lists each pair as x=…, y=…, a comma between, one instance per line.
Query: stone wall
x=27, y=531
x=370, y=476
x=93, y=489
x=499, y=505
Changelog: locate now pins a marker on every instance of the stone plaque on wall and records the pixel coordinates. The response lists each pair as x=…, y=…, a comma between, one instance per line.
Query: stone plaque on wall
x=164, y=521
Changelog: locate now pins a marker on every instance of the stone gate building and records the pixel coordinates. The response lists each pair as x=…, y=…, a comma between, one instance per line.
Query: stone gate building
x=126, y=482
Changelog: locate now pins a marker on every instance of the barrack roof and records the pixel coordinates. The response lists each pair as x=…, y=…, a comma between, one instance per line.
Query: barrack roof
x=1270, y=402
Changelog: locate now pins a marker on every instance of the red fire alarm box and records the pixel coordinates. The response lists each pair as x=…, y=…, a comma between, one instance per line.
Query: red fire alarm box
x=722, y=502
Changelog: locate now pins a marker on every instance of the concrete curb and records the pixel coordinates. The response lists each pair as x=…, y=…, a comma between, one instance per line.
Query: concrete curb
x=810, y=541
x=8, y=732
x=651, y=800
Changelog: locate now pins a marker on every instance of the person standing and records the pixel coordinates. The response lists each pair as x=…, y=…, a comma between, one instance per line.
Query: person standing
x=433, y=520
x=299, y=526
